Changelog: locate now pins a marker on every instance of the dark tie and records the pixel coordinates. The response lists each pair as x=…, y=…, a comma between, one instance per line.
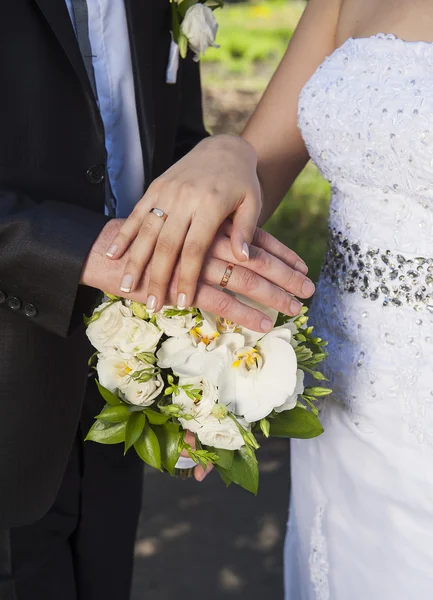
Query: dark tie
x=81, y=17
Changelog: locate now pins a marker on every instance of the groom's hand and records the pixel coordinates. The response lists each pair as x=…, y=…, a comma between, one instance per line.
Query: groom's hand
x=266, y=280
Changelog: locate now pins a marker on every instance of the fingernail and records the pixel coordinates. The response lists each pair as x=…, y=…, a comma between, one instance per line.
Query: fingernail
x=181, y=301
x=112, y=251
x=151, y=303
x=126, y=284
x=302, y=267
x=308, y=288
x=266, y=325
x=246, y=250
x=201, y=476
x=295, y=307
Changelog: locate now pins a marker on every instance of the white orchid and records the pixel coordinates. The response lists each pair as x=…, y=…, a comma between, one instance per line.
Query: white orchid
x=260, y=378
x=293, y=399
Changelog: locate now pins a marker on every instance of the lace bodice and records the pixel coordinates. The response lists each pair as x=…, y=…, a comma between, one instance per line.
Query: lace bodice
x=366, y=116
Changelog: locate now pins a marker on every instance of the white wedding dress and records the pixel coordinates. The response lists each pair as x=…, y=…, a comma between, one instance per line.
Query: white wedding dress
x=361, y=517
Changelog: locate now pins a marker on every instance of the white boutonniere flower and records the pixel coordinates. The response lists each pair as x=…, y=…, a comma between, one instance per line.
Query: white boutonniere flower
x=194, y=26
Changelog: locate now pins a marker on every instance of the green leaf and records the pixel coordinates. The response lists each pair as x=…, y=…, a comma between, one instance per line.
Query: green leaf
x=225, y=457
x=108, y=396
x=244, y=470
x=223, y=474
x=112, y=297
x=134, y=429
x=296, y=423
x=184, y=5
x=155, y=418
x=107, y=433
x=147, y=447
x=114, y=414
x=170, y=437
x=183, y=45
x=175, y=25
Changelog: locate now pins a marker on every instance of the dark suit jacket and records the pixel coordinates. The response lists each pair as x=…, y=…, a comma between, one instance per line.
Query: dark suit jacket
x=52, y=193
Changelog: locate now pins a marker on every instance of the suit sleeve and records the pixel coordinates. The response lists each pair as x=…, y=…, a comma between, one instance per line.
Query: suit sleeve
x=43, y=247
x=191, y=129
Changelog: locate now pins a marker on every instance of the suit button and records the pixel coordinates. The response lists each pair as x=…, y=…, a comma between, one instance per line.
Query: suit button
x=3, y=297
x=96, y=174
x=14, y=303
x=30, y=310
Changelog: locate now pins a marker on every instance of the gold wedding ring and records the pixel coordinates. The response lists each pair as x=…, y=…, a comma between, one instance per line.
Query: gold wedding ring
x=159, y=213
x=227, y=274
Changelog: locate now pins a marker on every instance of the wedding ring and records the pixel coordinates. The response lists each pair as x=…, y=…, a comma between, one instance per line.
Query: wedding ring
x=227, y=274
x=159, y=213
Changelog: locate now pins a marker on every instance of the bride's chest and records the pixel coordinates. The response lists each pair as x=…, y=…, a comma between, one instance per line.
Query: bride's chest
x=366, y=115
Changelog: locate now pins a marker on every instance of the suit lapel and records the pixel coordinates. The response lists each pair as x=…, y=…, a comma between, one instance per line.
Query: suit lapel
x=140, y=17
x=57, y=16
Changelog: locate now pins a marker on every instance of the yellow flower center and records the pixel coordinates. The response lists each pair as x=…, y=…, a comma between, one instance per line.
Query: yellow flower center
x=226, y=326
x=249, y=359
x=202, y=338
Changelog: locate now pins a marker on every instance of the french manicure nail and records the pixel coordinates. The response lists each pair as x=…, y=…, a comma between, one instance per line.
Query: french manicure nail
x=181, y=301
x=246, y=250
x=126, y=284
x=112, y=251
x=295, y=307
x=301, y=267
x=151, y=303
x=308, y=288
x=266, y=325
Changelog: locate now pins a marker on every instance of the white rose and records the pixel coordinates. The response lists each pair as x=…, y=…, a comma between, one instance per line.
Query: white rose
x=142, y=394
x=137, y=335
x=102, y=331
x=199, y=410
x=200, y=28
x=223, y=434
x=293, y=398
x=115, y=368
x=174, y=326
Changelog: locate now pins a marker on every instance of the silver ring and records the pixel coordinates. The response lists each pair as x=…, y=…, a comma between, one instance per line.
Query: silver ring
x=159, y=213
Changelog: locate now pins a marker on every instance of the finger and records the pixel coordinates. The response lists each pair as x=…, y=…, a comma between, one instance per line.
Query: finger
x=140, y=253
x=221, y=303
x=250, y=284
x=266, y=241
x=268, y=266
x=165, y=256
x=129, y=230
x=245, y=224
x=200, y=474
x=197, y=243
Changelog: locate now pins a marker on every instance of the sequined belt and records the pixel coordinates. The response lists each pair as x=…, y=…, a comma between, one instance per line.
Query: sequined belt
x=379, y=275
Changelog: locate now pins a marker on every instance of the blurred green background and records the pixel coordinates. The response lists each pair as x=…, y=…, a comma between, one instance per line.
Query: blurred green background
x=253, y=37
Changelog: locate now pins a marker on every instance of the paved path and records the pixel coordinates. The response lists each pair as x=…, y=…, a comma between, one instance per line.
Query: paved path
x=206, y=542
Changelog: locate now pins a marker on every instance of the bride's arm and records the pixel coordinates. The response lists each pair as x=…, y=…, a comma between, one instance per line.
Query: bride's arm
x=273, y=130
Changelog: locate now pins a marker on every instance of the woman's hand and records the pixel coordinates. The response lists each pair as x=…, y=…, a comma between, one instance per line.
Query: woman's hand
x=217, y=179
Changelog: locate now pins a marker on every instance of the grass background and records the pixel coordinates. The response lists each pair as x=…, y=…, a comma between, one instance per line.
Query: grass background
x=253, y=37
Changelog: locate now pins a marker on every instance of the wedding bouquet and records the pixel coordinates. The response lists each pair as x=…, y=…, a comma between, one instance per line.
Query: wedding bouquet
x=177, y=370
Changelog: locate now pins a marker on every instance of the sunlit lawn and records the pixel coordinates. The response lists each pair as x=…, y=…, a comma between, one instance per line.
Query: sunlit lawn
x=253, y=37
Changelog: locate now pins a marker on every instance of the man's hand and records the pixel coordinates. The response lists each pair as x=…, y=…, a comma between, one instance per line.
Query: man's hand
x=266, y=278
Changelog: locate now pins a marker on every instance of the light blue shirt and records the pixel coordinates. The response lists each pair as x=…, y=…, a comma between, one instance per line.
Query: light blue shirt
x=109, y=39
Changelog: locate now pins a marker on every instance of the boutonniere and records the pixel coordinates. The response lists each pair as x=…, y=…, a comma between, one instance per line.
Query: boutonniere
x=194, y=26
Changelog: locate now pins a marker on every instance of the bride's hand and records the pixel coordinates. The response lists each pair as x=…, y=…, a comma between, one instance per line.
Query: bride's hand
x=215, y=180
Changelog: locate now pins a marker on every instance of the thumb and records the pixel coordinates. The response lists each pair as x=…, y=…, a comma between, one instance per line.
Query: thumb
x=245, y=225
